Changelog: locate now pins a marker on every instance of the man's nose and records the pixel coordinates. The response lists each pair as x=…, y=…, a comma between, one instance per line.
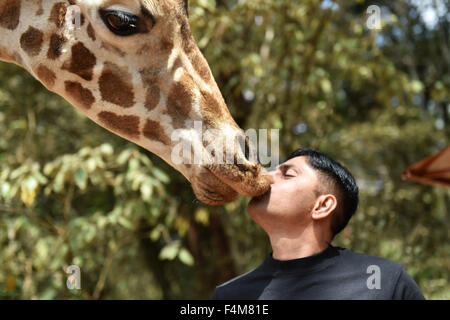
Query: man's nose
x=270, y=174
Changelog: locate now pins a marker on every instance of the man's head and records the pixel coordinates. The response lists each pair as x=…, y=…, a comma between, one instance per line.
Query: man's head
x=309, y=188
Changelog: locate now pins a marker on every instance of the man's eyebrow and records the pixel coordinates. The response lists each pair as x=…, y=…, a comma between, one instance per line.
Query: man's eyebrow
x=288, y=166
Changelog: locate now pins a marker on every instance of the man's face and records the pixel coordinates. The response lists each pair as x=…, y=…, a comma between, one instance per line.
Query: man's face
x=291, y=197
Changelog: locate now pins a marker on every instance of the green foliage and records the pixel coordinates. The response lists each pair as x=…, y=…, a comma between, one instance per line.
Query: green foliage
x=377, y=101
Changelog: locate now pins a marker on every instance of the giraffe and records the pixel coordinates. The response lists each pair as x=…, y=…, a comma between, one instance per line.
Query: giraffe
x=134, y=68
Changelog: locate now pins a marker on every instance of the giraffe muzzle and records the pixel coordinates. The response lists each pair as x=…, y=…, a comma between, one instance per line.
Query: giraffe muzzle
x=217, y=183
x=220, y=184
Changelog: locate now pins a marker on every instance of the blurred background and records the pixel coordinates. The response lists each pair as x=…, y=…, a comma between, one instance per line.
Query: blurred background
x=377, y=100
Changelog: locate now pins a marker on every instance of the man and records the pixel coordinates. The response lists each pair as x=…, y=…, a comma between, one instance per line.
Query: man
x=312, y=198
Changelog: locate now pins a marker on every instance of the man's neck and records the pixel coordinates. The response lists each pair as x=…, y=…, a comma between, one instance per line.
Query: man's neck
x=294, y=246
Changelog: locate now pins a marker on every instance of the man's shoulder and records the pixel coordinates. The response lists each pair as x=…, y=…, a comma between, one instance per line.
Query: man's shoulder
x=391, y=275
x=239, y=280
x=352, y=257
x=240, y=284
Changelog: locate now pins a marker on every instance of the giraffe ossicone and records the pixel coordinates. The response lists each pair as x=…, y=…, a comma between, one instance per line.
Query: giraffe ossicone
x=133, y=67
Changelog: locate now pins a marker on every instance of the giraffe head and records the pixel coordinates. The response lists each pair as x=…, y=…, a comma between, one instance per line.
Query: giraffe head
x=133, y=67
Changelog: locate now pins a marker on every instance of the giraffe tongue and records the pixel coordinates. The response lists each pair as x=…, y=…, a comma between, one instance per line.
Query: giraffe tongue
x=246, y=179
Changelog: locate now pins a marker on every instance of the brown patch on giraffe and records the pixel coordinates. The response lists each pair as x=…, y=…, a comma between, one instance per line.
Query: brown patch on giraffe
x=31, y=41
x=40, y=9
x=46, y=75
x=55, y=47
x=179, y=100
x=159, y=52
x=58, y=14
x=152, y=97
x=116, y=86
x=91, y=32
x=155, y=132
x=212, y=109
x=125, y=125
x=82, y=62
x=200, y=65
x=151, y=81
x=10, y=14
x=81, y=95
x=166, y=46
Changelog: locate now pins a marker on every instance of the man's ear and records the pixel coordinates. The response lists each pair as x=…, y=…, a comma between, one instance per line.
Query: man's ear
x=324, y=206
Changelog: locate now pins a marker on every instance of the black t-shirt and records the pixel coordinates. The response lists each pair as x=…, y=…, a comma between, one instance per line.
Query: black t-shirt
x=335, y=273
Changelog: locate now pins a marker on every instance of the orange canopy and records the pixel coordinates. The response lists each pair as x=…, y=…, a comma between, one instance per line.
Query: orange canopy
x=434, y=170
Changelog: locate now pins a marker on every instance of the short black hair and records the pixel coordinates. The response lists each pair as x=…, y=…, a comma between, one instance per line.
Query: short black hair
x=338, y=176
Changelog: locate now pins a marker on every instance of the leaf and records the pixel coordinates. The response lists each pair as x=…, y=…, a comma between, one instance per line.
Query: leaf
x=155, y=234
x=48, y=168
x=42, y=249
x=170, y=251
x=125, y=223
x=28, y=191
x=106, y=149
x=416, y=86
x=160, y=175
x=185, y=256
x=59, y=181
x=31, y=183
x=91, y=164
x=182, y=225
x=11, y=283
x=18, y=172
x=81, y=179
x=202, y=216
x=83, y=152
x=5, y=190
x=146, y=192
x=326, y=86
x=40, y=177
x=124, y=156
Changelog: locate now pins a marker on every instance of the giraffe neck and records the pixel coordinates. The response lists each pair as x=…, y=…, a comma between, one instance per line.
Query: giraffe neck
x=111, y=100
x=142, y=88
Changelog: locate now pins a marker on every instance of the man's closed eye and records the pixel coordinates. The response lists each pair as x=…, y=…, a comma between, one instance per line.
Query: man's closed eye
x=289, y=174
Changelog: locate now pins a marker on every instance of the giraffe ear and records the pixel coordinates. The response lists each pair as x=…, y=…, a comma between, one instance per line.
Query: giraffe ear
x=185, y=6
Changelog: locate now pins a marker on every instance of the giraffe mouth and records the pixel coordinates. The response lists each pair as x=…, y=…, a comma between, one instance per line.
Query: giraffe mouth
x=218, y=184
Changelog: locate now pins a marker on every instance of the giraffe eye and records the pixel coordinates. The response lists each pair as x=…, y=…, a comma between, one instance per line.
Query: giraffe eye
x=119, y=22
